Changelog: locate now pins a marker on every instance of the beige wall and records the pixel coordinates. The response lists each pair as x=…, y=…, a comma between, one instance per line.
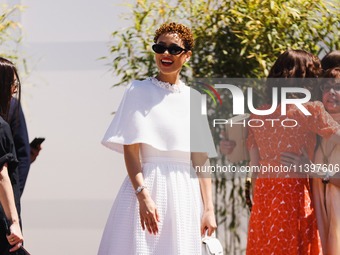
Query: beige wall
x=68, y=99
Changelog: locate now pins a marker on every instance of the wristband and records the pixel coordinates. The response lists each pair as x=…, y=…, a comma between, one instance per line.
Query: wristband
x=139, y=189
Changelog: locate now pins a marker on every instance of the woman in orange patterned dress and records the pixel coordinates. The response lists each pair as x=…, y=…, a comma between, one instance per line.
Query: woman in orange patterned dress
x=282, y=220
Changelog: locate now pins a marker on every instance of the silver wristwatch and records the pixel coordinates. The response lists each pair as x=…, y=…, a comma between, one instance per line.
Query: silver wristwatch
x=139, y=189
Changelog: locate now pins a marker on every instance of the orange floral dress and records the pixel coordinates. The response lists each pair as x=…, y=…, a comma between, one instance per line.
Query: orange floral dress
x=282, y=220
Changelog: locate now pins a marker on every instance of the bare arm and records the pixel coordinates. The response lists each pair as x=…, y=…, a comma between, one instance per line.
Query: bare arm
x=133, y=166
x=254, y=155
x=227, y=146
x=208, y=218
x=336, y=137
x=8, y=203
x=319, y=171
x=335, y=180
x=147, y=208
x=201, y=159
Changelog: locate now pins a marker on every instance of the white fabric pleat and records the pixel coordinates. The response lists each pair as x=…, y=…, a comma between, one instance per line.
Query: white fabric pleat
x=175, y=190
x=162, y=117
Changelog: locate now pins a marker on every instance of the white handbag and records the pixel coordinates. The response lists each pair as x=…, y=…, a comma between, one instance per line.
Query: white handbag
x=211, y=245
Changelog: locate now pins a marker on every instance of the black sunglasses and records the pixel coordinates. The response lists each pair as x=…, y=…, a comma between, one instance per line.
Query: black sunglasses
x=173, y=50
x=327, y=87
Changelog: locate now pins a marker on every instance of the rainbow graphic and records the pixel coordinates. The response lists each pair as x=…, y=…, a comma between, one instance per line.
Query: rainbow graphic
x=209, y=92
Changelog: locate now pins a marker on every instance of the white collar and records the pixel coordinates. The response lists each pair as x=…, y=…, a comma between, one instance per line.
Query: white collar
x=177, y=88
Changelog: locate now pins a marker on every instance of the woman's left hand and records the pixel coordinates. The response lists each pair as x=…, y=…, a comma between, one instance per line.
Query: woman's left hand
x=15, y=238
x=208, y=222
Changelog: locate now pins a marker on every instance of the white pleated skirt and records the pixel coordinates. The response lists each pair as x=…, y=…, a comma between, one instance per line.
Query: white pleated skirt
x=175, y=189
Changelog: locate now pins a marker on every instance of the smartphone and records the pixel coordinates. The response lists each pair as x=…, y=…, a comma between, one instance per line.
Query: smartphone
x=36, y=142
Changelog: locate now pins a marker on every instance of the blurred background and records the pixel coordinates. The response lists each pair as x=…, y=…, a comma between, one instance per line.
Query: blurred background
x=67, y=94
x=67, y=98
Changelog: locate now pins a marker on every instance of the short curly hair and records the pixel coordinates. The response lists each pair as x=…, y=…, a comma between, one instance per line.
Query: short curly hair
x=183, y=32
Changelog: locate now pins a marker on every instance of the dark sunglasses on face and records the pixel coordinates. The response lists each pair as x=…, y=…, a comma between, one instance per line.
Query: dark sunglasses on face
x=173, y=50
x=327, y=87
x=15, y=84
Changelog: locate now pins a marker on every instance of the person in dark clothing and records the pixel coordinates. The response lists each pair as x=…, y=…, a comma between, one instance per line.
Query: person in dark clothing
x=20, y=136
x=25, y=153
x=9, y=178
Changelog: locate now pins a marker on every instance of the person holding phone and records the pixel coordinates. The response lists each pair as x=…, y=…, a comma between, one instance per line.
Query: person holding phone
x=35, y=148
x=26, y=152
x=9, y=179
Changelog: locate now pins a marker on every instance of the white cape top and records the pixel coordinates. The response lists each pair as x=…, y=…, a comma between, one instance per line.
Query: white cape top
x=160, y=114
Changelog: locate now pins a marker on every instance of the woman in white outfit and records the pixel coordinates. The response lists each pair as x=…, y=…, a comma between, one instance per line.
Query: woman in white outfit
x=162, y=207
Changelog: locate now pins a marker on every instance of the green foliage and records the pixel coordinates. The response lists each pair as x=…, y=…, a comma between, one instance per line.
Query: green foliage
x=247, y=36
x=10, y=33
x=235, y=39
x=132, y=56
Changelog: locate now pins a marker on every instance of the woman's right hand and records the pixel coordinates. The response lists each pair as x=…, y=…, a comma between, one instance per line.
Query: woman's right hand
x=227, y=146
x=15, y=238
x=296, y=161
x=148, y=212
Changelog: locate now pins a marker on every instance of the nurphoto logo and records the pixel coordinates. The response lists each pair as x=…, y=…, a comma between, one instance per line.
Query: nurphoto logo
x=241, y=93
